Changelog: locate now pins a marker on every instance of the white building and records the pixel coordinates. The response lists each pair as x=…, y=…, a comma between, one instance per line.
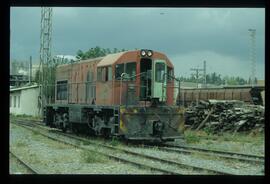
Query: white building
x=24, y=100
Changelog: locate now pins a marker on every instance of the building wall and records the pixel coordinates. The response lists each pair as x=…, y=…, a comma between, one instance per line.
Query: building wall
x=14, y=100
x=26, y=102
x=263, y=97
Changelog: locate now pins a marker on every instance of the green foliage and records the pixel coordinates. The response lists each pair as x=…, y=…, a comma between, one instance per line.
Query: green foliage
x=96, y=52
x=191, y=137
x=235, y=80
x=216, y=79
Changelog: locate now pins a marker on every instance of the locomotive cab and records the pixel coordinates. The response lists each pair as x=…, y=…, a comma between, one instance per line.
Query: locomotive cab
x=153, y=77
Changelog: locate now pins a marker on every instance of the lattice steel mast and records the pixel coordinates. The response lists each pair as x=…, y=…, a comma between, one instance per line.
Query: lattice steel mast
x=45, y=53
x=252, y=55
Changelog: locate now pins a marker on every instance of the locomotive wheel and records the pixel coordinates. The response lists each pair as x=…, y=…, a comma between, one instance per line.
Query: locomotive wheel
x=105, y=133
x=64, y=129
x=74, y=129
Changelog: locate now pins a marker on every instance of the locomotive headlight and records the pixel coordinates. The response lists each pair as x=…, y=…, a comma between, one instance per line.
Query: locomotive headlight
x=143, y=53
x=149, y=53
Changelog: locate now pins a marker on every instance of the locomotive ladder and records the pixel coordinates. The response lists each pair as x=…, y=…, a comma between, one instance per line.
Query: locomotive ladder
x=116, y=118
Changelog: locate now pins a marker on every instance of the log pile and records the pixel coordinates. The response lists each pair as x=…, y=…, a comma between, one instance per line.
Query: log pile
x=217, y=116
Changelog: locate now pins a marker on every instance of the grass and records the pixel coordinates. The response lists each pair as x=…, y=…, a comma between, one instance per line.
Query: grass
x=192, y=136
x=93, y=157
x=85, y=142
x=13, y=116
x=20, y=144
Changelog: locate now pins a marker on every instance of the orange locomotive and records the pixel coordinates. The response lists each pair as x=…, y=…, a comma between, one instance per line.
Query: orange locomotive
x=128, y=94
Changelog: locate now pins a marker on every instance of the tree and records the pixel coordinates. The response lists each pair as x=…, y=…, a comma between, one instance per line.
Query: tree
x=96, y=52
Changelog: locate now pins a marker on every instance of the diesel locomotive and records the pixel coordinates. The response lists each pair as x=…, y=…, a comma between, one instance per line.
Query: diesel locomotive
x=128, y=95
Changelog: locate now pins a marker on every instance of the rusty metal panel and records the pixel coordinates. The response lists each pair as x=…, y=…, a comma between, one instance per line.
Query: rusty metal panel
x=104, y=92
x=189, y=96
x=62, y=72
x=237, y=94
x=220, y=94
x=228, y=94
x=170, y=93
x=138, y=122
x=203, y=94
x=77, y=76
x=122, y=91
x=245, y=95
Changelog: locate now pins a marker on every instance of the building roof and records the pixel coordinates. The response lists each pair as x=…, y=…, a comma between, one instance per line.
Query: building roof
x=23, y=88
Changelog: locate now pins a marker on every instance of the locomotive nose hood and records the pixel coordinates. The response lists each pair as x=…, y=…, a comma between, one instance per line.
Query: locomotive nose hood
x=162, y=123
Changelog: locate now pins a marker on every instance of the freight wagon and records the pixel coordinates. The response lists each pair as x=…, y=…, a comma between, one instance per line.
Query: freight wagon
x=247, y=94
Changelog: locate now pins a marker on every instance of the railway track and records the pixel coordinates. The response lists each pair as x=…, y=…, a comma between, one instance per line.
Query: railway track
x=111, y=156
x=25, y=164
x=121, y=154
x=213, y=153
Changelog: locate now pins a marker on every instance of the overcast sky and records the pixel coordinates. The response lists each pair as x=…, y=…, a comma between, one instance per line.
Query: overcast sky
x=187, y=35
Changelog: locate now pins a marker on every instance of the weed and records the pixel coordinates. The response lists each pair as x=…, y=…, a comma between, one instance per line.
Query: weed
x=93, y=157
x=85, y=142
x=114, y=142
x=20, y=144
x=192, y=138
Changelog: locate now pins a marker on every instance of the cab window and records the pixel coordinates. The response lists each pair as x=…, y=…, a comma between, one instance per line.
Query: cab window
x=119, y=69
x=160, y=70
x=128, y=68
x=61, y=90
x=104, y=73
x=131, y=70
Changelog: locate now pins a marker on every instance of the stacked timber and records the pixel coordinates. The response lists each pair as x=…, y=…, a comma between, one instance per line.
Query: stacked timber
x=218, y=116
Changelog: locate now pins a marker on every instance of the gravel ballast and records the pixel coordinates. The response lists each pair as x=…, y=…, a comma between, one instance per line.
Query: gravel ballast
x=51, y=157
x=44, y=153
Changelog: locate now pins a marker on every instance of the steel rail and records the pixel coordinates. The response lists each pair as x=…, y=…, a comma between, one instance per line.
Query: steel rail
x=149, y=157
x=30, y=168
x=211, y=152
x=182, y=165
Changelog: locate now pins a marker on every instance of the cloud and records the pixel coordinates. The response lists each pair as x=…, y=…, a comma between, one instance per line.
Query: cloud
x=215, y=62
x=174, y=31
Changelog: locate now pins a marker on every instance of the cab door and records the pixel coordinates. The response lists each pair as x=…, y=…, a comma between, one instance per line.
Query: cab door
x=159, y=68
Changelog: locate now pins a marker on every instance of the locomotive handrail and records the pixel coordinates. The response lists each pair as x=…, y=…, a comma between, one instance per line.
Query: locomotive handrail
x=172, y=77
x=123, y=77
x=121, y=87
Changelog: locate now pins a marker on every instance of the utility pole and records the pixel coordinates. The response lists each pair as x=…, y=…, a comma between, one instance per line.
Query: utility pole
x=252, y=54
x=197, y=70
x=45, y=54
x=30, y=70
x=197, y=74
x=204, y=73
